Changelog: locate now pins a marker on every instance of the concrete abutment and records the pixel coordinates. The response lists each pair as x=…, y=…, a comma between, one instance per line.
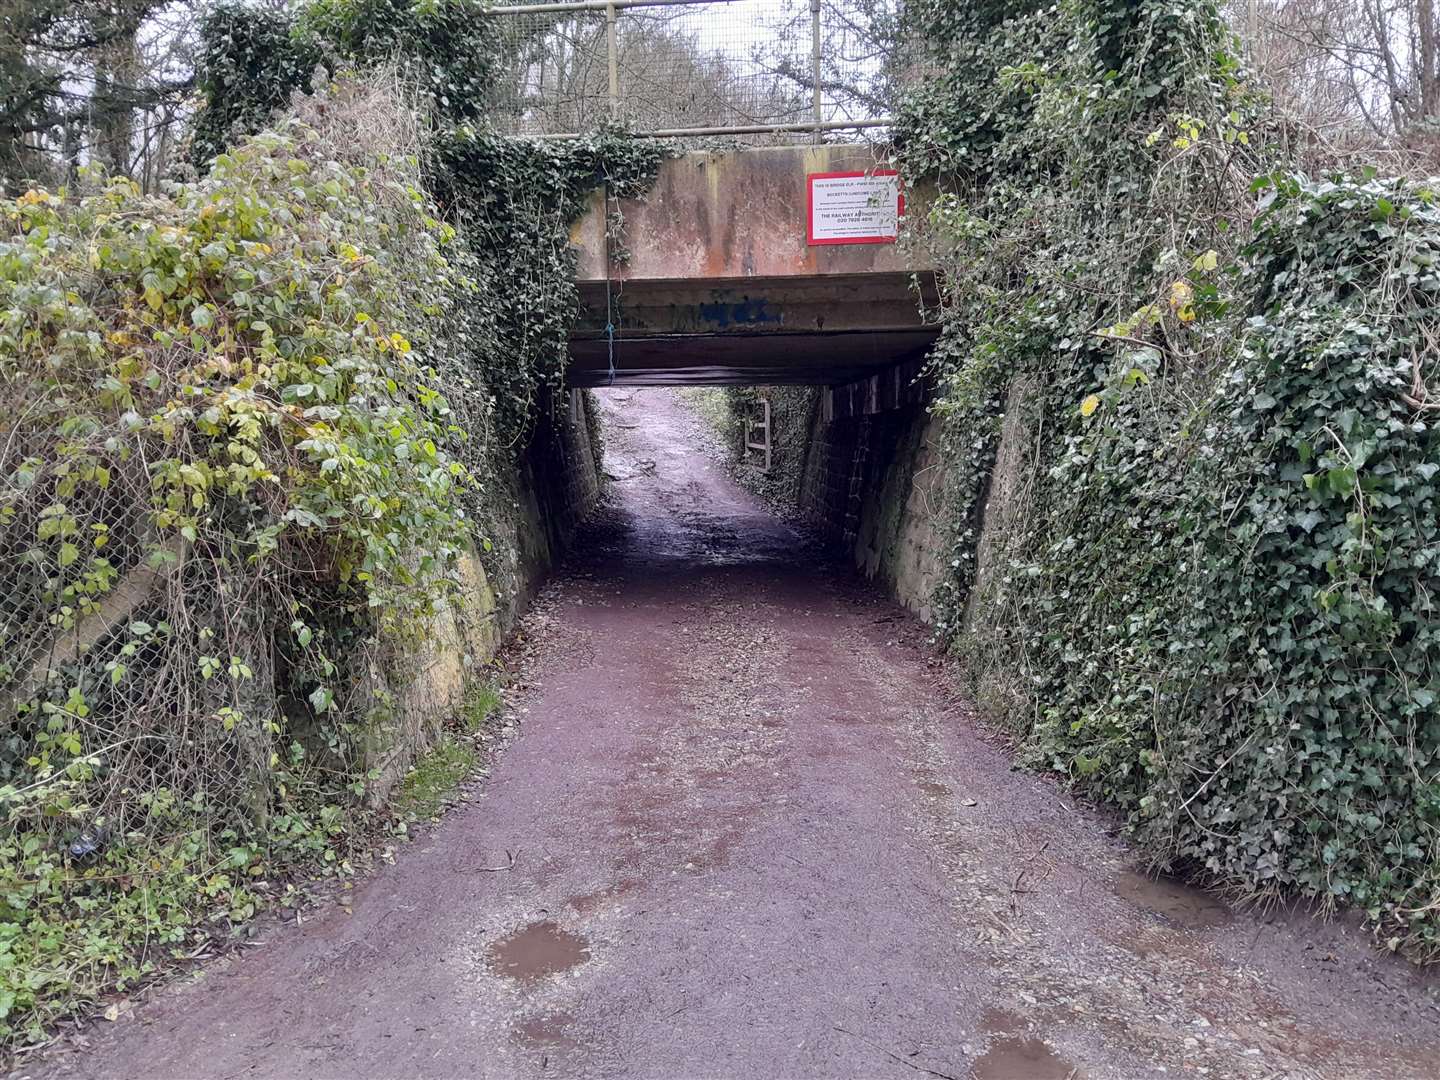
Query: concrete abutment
x=533, y=507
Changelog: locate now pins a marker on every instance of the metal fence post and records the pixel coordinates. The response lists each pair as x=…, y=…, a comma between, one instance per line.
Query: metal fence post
x=613, y=50
x=815, y=64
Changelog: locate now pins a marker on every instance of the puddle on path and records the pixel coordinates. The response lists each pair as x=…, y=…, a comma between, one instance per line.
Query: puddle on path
x=1180, y=904
x=1014, y=1056
x=538, y=950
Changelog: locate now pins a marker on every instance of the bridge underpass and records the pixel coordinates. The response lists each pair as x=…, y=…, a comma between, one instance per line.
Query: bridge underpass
x=743, y=828
x=712, y=278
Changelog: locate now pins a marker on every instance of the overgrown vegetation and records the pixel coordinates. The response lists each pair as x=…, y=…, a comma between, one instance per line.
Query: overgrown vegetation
x=431, y=783
x=232, y=486
x=1199, y=580
x=252, y=60
x=259, y=426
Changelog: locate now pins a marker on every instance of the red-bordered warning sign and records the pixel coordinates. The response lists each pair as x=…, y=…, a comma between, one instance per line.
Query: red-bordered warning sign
x=854, y=207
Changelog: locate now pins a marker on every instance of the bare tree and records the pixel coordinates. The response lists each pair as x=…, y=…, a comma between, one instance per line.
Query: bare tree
x=860, y=55
x=675, y=70
x=92, y=81
x=1356, y=73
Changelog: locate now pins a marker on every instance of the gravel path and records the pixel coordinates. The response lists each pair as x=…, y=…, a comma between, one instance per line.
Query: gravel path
x=755, y=837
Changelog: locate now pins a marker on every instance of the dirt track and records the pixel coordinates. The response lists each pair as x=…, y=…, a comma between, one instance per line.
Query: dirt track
x=755, y=838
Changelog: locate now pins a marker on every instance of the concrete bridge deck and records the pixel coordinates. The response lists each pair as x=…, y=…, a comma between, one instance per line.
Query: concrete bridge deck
x=712, y=279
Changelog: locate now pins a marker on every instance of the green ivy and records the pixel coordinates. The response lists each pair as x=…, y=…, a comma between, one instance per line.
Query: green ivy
x=446, y=50
x=249, y=61
x=1206, y=593
x=514, y=201
x=1315, y=634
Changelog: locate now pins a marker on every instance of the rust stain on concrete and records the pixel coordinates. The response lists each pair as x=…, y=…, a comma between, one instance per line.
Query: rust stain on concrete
x=734, y=215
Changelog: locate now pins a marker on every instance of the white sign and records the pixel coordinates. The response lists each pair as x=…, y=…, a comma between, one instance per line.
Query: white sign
x=854, y=207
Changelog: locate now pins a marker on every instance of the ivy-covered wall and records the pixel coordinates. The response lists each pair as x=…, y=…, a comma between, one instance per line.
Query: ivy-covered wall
x=1189, y=451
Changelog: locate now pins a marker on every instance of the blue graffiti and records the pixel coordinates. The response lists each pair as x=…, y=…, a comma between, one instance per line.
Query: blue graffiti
x=746, y=312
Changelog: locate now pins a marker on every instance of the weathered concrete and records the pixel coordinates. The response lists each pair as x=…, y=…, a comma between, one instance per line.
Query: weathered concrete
x=734, y=216
x=711, y=280
x=1004, y=505
x=872, y=485
x=899, y=540
x=899, y=386
x=554, y=485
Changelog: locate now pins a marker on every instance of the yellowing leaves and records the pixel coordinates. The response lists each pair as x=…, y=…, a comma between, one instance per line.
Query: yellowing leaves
x=1182, y=301
x=1089, y=405
x=1149, y=315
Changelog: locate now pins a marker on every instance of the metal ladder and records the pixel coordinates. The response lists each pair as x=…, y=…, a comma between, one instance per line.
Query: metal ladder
x=764, y=444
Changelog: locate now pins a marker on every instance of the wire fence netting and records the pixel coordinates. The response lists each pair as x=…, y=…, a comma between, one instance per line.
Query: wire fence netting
x=705, y=64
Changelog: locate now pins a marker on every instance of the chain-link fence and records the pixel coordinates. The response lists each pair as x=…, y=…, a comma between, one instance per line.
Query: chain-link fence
x=694, y=67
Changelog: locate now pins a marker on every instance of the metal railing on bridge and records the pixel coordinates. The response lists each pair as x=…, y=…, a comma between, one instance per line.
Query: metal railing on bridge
x=763, y=70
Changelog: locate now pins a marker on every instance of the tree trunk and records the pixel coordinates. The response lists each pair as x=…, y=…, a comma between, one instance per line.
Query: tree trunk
x=1429, y=73
x=117, y=73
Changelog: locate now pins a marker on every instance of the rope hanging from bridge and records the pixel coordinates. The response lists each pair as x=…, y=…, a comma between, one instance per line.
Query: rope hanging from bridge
x=609, y=301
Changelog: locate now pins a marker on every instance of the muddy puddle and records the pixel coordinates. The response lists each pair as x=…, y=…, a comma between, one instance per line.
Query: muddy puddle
x=1177, y=903
x=536, y=951
x=1013, y=1055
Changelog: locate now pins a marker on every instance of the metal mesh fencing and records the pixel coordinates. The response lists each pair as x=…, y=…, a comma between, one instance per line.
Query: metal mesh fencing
x=692, y=67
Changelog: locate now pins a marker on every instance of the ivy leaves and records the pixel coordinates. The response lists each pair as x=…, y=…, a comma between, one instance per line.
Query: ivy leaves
x=514, y=201
x=249, y=63
x=1200, y=582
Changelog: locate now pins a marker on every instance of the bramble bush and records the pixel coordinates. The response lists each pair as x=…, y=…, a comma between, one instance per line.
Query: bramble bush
x=1205, y=593
x=232, y=483
x=255, y=424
